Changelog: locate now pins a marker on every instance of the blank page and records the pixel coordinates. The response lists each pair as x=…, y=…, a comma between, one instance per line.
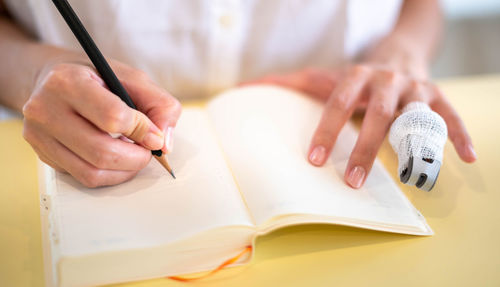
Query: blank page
x=265, y=133
x=153, y=209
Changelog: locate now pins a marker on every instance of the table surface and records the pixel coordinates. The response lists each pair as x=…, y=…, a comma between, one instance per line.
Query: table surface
x=462, y=209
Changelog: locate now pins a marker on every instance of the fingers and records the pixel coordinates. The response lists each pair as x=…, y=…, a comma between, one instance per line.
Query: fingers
x=456, y=129
x=415, y=91
x=384, y=92
x=51, y=163
x=70, y=114
x=338, y=110
x=48, y=161
x=110, y=114
x=62, y=157
x=100, y=149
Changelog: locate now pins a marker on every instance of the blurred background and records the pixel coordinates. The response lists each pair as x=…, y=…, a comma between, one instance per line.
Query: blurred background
x=471, y=42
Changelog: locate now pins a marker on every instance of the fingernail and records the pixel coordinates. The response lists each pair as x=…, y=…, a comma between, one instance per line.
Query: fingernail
x=471, y=152
x=169, y=139
x=317, y=156
x=153, y=140
x=356, y=176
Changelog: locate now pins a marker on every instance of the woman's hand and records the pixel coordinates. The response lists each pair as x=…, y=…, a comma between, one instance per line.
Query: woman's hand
x=381, y=89
x=388, y=77
x=70, y=115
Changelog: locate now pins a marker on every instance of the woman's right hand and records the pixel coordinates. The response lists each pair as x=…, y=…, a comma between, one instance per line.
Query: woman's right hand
x=70, y=115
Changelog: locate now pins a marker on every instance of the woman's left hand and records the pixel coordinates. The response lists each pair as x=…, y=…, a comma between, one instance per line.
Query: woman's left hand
x=379, y=89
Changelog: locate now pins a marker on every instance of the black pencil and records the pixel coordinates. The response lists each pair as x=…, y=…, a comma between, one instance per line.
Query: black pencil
x=101, y=64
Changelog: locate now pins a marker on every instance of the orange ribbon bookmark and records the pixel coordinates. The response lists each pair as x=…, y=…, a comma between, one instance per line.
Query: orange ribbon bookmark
x=219, y=268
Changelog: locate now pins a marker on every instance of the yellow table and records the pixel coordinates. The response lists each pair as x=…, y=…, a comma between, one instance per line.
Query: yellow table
x=463, y=210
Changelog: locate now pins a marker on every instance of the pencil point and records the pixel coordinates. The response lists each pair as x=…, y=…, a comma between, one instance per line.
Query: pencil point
x=163, y=161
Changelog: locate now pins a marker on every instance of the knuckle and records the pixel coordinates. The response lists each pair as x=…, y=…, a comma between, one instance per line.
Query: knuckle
x=383, y=110
x=341, y=101
x=91, y=177
x=416, y=86
x=388, y=77
x=359, y=70
x=32, y=109
x=96, y=158
x=63, y=76
x=421, y=91
x=138, y=75
x=105, y=157
x=175, y=106
x=60, y=75
x=112, y=157
x=114, y=117
x=35, y=111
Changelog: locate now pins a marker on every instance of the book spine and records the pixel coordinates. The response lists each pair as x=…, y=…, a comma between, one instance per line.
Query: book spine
x=50, y=234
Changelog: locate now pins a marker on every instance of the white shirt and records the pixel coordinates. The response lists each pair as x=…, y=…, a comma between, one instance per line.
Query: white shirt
x=195, y=48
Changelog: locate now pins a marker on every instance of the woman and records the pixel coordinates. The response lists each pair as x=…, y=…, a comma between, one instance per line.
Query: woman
x=351, y=54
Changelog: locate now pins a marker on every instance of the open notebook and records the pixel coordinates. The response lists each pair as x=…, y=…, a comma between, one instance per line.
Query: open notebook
x=242, y=171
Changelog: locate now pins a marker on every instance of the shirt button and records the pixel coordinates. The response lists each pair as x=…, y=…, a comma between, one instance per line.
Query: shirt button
x=226, y=21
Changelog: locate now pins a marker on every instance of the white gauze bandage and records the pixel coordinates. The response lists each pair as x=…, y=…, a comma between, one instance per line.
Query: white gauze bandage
x=418, y=136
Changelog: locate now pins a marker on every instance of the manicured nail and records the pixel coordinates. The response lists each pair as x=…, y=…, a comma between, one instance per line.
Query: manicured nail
x=471, y=152
x=356, y=176
x=153, y=140
x=317, y=156
x=169, y=139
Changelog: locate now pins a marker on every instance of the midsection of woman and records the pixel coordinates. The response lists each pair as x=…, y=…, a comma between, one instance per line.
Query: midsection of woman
x=163, y=51
x=196, y=48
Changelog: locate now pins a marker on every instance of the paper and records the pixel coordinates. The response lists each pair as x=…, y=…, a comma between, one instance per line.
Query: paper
x=154, y=209
x=265, y=133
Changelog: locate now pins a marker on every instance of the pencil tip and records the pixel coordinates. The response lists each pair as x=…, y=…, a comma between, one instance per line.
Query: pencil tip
x=163, y=161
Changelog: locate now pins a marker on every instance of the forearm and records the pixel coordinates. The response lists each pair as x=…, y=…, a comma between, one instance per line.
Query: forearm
x=21, y=58
x=411, y=45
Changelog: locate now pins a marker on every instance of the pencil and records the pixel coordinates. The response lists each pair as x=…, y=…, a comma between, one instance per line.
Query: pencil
x=101, y=64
